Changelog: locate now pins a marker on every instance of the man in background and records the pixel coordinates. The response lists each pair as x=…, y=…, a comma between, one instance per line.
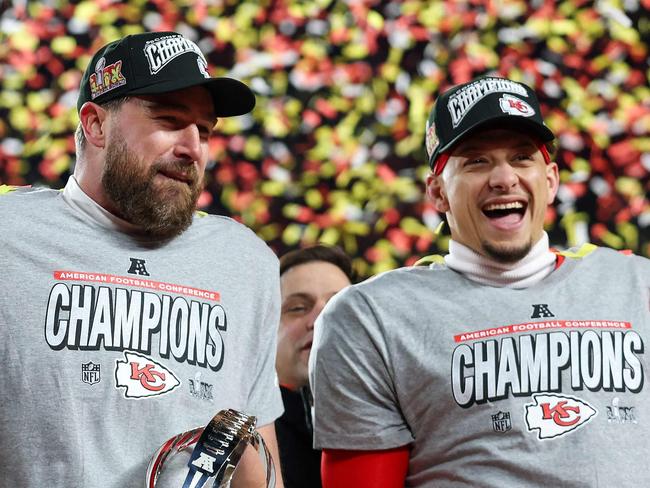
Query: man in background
x=125, y=316
x=308, y=279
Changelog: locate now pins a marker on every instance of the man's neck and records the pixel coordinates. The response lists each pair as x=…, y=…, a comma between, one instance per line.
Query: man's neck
x=78, y=199
x=531, y=269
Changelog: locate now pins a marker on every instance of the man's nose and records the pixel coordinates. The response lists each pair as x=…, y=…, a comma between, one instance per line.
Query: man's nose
x=188, y=145
x=503, y=176
x=314, y=314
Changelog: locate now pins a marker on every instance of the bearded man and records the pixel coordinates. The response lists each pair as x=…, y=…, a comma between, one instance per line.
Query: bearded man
x=125, y=316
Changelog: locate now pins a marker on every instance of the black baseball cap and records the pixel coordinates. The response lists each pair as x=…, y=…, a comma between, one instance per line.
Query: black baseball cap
x=486, y=100
x=158, y=62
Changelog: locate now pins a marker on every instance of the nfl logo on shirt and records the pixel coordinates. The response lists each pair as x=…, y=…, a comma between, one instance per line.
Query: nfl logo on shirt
x=90, y=373
x=501, y=422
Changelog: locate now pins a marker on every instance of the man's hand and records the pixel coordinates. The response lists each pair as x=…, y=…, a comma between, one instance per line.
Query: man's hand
x=250, y=471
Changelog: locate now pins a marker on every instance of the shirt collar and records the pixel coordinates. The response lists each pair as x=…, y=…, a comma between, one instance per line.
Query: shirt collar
x=531, y=269
x=74, y=196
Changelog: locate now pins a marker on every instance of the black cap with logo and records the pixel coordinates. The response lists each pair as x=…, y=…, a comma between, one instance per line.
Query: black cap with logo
x=486, y=100
x=158, y=62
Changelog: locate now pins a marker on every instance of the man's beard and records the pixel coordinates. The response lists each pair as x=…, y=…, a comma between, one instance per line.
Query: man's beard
x=159, y=210
x=506, y=254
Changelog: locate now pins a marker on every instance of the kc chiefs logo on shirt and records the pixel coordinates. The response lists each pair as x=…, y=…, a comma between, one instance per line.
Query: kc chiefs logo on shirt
x=556, y=415
x=143, y=377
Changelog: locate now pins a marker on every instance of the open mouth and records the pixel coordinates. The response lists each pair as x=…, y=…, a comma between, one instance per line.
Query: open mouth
x=505, y=214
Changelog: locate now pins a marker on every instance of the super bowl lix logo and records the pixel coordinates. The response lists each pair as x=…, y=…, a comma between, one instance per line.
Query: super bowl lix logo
x=106, y=78
x=142, y=377
x=431, y=140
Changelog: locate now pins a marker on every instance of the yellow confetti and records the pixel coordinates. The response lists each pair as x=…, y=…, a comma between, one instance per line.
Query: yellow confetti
x=375, y=20
x=612, y=240
x=570, y=223
x=10, y=98
x=383, y=266
x=23, y=40
x=356, y=228
x=39, y=101
x=253, y=147
x=291, y=234
x=269, y=232
x=629, y=186
x=314, y=48
x=19, y=118
x=623, y=33
x=291, y=210
x=310, y=234
x=63, y=45
x=413, y=227
x=330, y=236
x=314, y=198
x=272, y=188
x=630, y=234
x=87, y=11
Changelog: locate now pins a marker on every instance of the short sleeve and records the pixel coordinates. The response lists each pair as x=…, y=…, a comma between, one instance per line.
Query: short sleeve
x=265, y=400
x=351, y=375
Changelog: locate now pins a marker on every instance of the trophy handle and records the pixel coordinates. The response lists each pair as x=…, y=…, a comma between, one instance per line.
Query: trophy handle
x=266, y=458
x=217, y=451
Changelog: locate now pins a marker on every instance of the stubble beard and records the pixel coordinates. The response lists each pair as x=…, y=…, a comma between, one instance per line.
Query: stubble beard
x=158, y=210
x=507, y=255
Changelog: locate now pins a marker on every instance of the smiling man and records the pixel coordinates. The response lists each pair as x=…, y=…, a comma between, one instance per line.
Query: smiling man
x=126, y=317
x=309, y=278
x=503, y=363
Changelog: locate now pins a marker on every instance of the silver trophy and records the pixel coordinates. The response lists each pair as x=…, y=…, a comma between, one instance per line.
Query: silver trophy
x=214, y=451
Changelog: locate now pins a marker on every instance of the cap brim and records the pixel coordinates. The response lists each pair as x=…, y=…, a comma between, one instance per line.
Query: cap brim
x=231, y=97
x=520, y=124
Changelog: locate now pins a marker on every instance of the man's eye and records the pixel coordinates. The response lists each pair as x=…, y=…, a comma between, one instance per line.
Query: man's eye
x=167, y=119
x=475, y=161
x=523, y=157
x=295, y=308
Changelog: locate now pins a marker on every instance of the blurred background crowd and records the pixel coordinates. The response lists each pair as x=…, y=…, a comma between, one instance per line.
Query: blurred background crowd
x=334, y=150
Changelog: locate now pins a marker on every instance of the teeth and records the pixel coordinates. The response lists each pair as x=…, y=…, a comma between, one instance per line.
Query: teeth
x=504, y=206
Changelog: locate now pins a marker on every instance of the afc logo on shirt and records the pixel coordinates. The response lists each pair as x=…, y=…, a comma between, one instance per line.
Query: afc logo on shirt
x=138, y=267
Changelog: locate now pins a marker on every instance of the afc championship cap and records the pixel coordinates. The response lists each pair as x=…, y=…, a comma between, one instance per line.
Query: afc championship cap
x=483, y=101
x=158, y=62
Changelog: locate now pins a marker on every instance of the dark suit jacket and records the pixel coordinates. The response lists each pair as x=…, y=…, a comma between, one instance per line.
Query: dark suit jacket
x=300, y=461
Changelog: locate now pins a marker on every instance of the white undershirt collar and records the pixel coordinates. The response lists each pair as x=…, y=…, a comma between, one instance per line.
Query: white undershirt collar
x=531, y=269
x=82, y=203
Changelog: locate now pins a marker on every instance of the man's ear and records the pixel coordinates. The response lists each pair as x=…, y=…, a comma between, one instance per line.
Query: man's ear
x=553, y=181
x=93, y=123
x=436, y=193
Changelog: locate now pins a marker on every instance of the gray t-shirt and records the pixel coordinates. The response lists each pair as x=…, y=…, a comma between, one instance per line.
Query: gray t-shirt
x=492, y=387
x=111, y=344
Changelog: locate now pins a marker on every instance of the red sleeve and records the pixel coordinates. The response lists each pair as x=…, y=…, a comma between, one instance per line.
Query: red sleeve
x=365, y=469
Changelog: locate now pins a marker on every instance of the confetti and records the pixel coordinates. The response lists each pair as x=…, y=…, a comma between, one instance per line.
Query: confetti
x=334, y=150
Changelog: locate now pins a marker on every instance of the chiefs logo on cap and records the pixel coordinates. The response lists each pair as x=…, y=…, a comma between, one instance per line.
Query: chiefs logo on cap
x=515, y=106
